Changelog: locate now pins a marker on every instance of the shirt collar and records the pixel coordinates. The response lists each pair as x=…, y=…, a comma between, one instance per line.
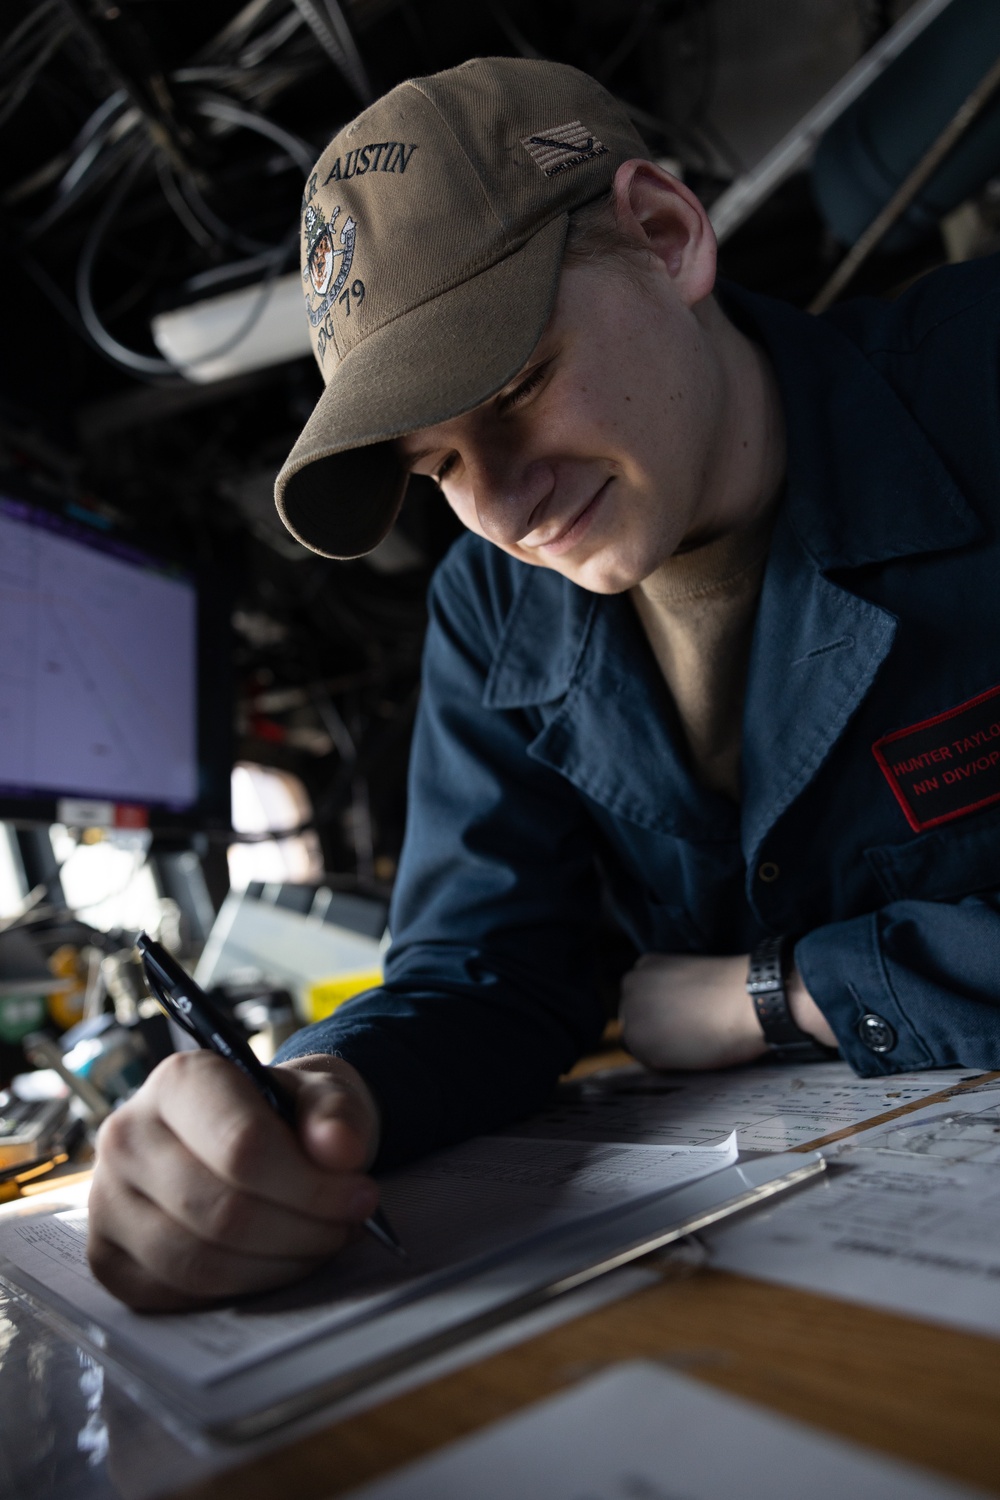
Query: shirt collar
x=864, y=484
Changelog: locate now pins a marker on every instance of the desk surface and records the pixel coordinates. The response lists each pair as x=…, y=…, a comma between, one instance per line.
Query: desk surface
x=925, y=1393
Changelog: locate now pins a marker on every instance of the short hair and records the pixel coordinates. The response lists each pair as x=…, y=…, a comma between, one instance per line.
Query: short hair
x=595, y=234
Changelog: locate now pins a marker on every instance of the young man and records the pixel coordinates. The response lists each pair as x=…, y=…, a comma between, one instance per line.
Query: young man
x=724, y=640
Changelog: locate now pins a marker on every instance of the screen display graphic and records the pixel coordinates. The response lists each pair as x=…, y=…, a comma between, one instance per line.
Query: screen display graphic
x=98, y=667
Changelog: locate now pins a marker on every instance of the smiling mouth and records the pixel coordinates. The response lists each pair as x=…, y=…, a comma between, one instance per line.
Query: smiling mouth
x=573, y=532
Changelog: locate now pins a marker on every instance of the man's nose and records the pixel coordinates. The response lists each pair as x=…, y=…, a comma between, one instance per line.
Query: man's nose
x=508, y=494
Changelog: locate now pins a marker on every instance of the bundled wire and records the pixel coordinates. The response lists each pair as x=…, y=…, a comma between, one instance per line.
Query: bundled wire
x=275, y=258
x=30, y=46
x=117, y=153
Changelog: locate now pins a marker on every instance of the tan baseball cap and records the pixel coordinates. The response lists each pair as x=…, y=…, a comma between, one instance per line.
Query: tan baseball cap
x=433, y=229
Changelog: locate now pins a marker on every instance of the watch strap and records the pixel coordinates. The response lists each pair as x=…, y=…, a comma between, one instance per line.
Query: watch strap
x=786, y=1040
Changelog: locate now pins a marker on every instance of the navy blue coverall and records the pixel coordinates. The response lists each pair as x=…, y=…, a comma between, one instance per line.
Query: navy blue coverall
x=548, y=756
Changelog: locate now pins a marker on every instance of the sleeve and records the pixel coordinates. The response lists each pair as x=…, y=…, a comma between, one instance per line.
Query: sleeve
x=489, y=989
x=914, y=985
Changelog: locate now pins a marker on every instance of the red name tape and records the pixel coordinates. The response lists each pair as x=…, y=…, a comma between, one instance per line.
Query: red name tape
x=947, y=766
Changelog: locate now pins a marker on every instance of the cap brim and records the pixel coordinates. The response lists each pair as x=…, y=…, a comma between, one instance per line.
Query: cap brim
x=341, y=488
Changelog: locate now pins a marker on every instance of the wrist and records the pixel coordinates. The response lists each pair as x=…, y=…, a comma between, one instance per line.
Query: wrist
x=806, y=1013
x=782, y=1004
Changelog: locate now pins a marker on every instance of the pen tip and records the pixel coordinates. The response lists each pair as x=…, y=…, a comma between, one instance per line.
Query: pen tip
x=383, y=1231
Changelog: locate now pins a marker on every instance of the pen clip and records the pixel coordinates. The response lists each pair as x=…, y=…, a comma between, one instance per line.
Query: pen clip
x=166, y=1001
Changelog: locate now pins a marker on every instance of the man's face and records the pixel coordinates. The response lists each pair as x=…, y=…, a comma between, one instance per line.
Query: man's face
x=596, y=460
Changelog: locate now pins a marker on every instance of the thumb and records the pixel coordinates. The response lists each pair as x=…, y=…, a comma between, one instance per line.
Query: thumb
x=337, y=1120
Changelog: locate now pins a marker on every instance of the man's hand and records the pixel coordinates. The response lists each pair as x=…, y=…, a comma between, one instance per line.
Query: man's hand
x=201, y=1192
x=682, y=1010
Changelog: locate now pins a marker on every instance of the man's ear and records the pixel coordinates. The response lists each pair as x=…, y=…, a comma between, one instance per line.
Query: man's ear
x=669, y=220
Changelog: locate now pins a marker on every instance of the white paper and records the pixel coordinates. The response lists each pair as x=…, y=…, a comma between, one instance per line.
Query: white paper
x=907, y=1218
x=451, y=1209
x=773, y=1108
x=638, y=1432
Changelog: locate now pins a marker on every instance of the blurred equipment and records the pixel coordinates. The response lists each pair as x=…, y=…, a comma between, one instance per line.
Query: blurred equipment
x=26, y=982
x=12, y=1179
x=296, y=936
x=110, y=1056
x=746, y=194
x=259, y=325
x=865, y=157
x=268, y=1017
x=75, y=966
x=45, y=1053
x=29, y=1128
x=323, y=997
x=110, y=717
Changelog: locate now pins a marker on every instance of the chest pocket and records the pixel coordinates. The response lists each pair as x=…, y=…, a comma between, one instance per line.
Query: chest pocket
x=957, y=860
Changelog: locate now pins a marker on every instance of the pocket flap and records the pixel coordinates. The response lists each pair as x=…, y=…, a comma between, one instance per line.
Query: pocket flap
x=955, y=860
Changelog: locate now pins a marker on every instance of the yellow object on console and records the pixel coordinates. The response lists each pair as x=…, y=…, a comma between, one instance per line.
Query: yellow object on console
x=323, y=997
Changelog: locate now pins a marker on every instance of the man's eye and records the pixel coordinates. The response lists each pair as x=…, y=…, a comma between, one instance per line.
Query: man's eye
x=518, y=394
x=444, y=469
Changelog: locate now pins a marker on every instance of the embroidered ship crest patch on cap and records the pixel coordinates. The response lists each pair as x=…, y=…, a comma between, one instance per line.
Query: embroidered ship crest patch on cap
x=564, y=146
x=322, y=257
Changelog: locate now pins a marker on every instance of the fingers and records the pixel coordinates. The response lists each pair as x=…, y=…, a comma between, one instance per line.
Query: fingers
x=202, y=1192
x=164, y=1267
x=337, y=1116
x=158, y=1165
x=221, y=1120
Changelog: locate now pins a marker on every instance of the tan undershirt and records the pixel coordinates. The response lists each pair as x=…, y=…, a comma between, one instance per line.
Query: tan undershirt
x=698, y=611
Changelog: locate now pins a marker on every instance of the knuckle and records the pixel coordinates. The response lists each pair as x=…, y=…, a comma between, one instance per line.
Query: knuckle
x=173, y=1068
x=114, y=1138
x=242, y=1147
x=102, y=1257
x=226, y=1220
x=200, y=1271
x=182, y=1070
x=180, y=1260
x=187, y=1267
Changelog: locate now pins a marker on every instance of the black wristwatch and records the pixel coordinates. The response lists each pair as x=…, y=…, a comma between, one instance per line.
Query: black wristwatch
x=766, y=973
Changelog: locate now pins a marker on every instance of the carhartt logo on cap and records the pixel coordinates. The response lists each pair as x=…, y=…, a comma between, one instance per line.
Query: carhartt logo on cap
x=563, y=146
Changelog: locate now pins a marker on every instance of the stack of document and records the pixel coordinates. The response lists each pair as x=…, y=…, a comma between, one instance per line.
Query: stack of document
x=498, y=1226
x=493, y=1226
x=908, y=1218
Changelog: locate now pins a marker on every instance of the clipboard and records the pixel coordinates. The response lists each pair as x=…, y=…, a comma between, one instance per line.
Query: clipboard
x=318, y=1372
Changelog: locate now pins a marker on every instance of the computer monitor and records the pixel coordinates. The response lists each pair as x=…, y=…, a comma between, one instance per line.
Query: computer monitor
x=104, y=690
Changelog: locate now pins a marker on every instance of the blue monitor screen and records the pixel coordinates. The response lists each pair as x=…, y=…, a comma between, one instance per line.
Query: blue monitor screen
x=98, y=666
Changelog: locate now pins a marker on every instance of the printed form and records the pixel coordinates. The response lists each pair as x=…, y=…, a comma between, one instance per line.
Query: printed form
x=453, y=1210
x=774, y=1107
x=907, y=1217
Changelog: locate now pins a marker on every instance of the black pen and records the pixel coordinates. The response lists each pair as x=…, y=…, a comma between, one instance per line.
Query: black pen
x=187, y=1004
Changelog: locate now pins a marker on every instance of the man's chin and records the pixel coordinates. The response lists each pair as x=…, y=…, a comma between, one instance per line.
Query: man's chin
x=598, y=574
x=604, y=576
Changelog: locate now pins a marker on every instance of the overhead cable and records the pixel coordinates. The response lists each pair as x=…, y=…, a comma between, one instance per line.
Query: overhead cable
x=131, y=359
x=234, y=114
x=331, y=30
